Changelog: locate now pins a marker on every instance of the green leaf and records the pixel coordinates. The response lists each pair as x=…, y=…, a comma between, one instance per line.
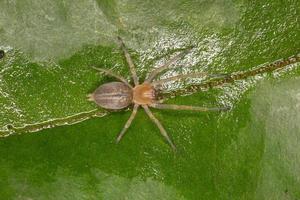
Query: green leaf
x=249, y=152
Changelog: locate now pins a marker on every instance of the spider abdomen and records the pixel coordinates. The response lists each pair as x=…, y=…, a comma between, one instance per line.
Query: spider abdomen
x=113, y=96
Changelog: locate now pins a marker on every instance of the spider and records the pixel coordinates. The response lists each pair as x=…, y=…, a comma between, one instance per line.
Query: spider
x=119, y=95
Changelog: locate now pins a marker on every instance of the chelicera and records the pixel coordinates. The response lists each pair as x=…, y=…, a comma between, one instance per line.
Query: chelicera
x=119, y=95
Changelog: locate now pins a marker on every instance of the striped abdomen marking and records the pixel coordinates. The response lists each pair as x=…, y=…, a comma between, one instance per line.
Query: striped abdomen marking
x=114, y=95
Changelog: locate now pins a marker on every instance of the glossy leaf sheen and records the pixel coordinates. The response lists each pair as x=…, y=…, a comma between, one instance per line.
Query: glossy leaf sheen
x=250, y=152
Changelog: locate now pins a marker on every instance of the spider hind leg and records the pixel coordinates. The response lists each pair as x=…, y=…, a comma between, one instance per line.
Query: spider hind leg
x=128, y=123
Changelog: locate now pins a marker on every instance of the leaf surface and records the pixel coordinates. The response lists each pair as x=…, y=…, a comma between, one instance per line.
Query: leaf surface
x=249, y=152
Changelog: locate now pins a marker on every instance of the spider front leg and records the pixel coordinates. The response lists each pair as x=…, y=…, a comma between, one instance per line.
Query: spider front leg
x=184, y=76
x=129, y=61
x=160, y=127
x=158, y=70
x=176, y=78
x=185, y=107
x=128, y=123
x=112, y=74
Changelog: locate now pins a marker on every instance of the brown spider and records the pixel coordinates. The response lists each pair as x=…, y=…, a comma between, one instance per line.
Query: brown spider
x=119, y=95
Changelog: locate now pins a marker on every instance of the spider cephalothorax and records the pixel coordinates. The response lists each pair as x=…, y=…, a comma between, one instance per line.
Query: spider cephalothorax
x=119, y=95
x=144, y=94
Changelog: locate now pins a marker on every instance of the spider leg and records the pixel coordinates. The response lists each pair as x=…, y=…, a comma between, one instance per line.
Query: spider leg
x=129, y=61
x=185, y=107
x=158, y=70
x=175, y=78
x=110, y=73
x=160, y=127
x=190, y=75
x=128, y=123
